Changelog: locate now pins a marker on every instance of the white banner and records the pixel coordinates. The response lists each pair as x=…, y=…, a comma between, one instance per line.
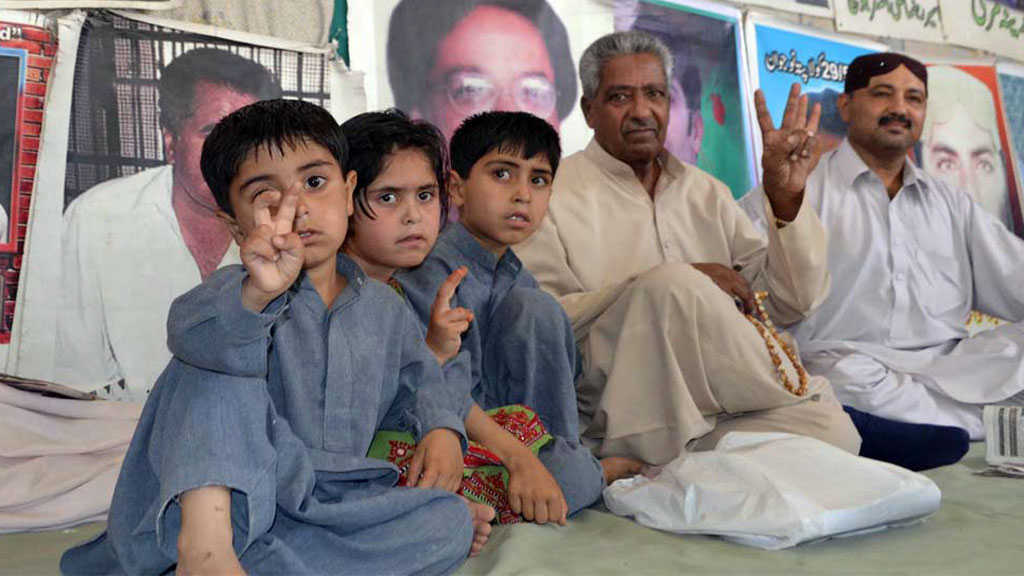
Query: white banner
x=985, y=24
x=910, y=19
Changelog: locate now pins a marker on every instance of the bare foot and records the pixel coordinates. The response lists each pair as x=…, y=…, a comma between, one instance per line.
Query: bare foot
x=616, y=467
x=482, y=515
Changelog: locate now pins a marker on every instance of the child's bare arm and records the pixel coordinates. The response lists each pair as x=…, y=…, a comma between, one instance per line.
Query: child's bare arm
x=447, y=324
x=532, y=491
x=272, y=252
x=205, y=540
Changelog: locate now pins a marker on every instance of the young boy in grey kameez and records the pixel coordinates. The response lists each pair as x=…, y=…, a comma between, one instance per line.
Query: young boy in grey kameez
x=520, y=341
x=269, y=455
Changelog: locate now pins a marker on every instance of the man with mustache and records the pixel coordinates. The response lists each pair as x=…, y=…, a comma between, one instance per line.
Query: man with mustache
x=650, y=258
x=910, y=256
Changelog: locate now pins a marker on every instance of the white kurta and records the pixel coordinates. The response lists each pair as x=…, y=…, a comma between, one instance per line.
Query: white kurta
x=124, y=261
x=907, y=272
x=665, y=351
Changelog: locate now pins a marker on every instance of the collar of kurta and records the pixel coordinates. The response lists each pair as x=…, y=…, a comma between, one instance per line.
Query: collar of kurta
x=850, y=166
x=671, y=167
x=353, y=274
x=464, y=241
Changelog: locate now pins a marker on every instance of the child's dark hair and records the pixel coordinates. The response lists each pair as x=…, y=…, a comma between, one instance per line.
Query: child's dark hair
x=374, y=137
x=270, y=124
x=518, y=133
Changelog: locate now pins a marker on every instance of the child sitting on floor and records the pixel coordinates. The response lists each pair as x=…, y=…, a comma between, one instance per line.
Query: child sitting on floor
x=251, y=451
x=520, y=342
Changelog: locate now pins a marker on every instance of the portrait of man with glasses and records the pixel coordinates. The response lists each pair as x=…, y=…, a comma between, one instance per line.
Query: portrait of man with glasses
x=450, y=60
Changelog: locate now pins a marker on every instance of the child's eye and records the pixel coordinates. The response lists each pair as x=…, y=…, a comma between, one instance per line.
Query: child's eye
x=315, y=181
x=540, y=181
x=502, y=174
x=387, y=198
x=426, y=195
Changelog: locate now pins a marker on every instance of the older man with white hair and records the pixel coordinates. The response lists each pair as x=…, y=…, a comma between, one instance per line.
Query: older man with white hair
x=651, y=258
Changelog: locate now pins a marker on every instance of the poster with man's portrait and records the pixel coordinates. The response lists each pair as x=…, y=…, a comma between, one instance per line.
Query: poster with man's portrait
x=708, y=118
x=1011, y=86
x=965, y=142
x=445, y=60
x=136, y=222
x=27, y=48
x=781, y=54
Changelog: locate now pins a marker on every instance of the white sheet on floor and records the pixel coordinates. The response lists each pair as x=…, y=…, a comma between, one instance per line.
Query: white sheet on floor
x=59, y=459
x=774, y=491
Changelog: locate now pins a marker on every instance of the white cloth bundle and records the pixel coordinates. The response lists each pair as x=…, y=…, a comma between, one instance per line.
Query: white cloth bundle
x=59, y=458
x=774, y=491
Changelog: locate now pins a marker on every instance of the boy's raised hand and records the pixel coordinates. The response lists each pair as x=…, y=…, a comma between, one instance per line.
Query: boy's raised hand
x=437, y=462
x=444, y=335
x=533, y=491
x=789, y=153
x=272, y=252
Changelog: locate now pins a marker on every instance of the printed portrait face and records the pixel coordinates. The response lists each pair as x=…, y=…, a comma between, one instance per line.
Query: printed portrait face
x=183, y=148
x=467, y=78
x=685, y=125
x=960, y=143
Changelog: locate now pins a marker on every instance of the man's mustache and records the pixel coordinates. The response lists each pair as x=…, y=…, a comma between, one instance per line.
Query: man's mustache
x=889, y=119
x=641, y=125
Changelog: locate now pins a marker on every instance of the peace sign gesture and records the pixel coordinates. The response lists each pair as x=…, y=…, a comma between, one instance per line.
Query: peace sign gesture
x=790, y=153
x=444, y=335
x=272, y=252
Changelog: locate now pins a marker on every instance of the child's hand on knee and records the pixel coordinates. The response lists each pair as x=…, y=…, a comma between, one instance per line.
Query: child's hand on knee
x=437, y=462
x=533, y=491
x=444, y=335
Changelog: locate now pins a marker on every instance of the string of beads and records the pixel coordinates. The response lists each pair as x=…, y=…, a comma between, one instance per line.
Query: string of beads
x=766, y=328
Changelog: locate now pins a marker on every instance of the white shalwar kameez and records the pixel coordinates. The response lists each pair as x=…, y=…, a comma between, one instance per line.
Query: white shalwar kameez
x=906, y=273
x=669, y=364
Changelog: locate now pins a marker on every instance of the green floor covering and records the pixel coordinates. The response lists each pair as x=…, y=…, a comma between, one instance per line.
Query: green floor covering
x=978, y=530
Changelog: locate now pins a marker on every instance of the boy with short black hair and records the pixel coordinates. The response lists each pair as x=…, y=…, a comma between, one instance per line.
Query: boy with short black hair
x=262, y=466
x=520, y=341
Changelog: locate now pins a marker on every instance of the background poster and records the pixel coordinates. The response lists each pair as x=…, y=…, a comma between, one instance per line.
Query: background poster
x=915, y=20
x=812, y=7
x=134, y=226
x=993, y=25
x=26, y=59
x=781, y=54
x=443, y=54
x=1011, y=85
x=709, y=123
x=965, y=141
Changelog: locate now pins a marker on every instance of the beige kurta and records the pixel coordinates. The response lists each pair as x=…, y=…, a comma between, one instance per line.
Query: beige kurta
x=666, y=354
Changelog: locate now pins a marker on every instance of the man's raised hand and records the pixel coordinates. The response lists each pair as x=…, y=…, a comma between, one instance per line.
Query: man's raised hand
x=790, y=152
x=272, y=252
